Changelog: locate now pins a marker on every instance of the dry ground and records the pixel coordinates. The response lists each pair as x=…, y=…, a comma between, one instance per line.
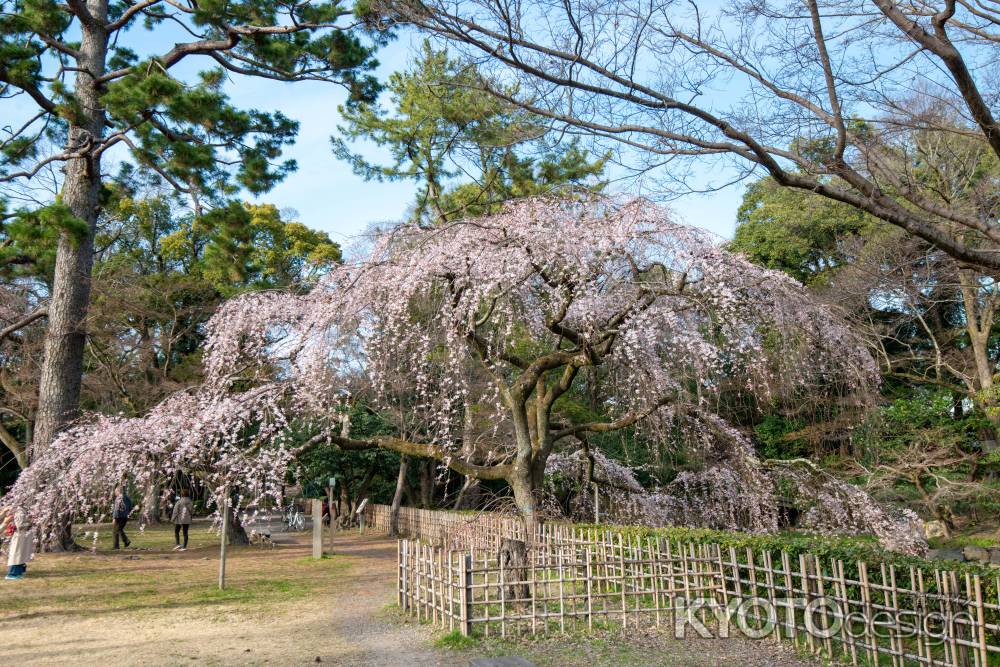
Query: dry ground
x=154, y=606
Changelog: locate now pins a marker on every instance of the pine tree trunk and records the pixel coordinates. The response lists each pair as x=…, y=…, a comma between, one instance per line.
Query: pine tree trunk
x=62, y=364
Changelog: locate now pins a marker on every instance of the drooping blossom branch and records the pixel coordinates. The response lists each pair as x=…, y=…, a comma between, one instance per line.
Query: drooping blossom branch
x=234, y=444
x=497, y=316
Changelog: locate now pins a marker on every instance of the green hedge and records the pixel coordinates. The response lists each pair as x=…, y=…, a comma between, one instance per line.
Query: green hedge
x=841, y=547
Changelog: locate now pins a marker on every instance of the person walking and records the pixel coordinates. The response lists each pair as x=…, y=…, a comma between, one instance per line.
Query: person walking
x=22, y=543
x=181, y=518
x=120, y=511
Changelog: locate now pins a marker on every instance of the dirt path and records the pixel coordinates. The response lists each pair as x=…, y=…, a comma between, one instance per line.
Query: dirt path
x=366, y=633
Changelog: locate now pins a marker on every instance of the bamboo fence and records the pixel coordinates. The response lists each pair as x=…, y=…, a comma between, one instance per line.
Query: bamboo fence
x=578, y=579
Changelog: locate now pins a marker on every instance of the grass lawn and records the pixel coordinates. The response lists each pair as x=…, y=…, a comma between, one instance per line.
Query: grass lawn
x=151, y=578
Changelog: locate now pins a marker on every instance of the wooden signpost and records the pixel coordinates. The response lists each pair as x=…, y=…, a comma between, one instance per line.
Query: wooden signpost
x=317, y=514
x=222, y=545
x=329, y=504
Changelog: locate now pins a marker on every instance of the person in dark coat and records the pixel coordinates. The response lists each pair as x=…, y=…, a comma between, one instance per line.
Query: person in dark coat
x=120, y=511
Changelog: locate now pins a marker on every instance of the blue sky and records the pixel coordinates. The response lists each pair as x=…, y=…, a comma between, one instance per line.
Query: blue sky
x=327, y=195
x=324, y=191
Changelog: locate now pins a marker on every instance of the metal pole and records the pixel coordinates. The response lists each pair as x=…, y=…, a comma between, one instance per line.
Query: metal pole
x=225, y=538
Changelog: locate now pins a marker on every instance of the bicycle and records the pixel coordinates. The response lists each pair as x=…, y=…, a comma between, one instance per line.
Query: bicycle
x=294, y=520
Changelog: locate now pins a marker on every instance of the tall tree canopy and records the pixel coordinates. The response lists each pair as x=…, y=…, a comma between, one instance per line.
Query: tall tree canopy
x=856, y=101
x=81, y=88
x=468, y=152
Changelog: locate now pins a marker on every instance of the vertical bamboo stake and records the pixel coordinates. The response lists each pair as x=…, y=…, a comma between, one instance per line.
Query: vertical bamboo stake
x=771, y=597
x=451, y=592
x=980, y=622
x=431, y=588
x=671, y=584
x=562, y=602
x=917, y=608
x=970, y=605
x=847, y=637
x=963, y=650
x=944, y=590
x=722, y=577
x=407, y=564
x=590, y=589
x=503, y=603
x=641, y=581
x=890, y=599
x=871, y=641
x=621, y=585
x=804, y=580
x=752, y=571
x=465, y=596
x=531, y=594
x=786, y=566
x=821, y=591
x=684, y=574
x=419, y=581
x=439, y=582
x=926, y=636
x=655, y=567
x=486, y=590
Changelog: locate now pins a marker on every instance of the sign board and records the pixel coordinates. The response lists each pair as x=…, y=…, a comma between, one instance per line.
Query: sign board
x=361, y=507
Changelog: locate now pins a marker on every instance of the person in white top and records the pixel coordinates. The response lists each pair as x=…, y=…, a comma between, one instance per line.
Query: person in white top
x=22, y=543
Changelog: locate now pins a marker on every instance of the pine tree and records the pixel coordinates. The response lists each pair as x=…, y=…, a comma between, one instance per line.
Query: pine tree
x=79, y=91
x=468, y=151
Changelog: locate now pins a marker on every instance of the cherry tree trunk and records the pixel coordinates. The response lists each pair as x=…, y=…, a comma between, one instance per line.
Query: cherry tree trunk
x=397, y=497
x=513, y=559
x=151, y=506
x=525, y=499
x=427, y=484
x=468, y=495
x=235, y=531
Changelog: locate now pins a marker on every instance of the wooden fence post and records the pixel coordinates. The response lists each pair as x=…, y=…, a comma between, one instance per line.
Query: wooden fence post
x=590, y=589
x=333, y=524
x=225, y=538
x=317, y=512
x=400, y=567
x=465, y=595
